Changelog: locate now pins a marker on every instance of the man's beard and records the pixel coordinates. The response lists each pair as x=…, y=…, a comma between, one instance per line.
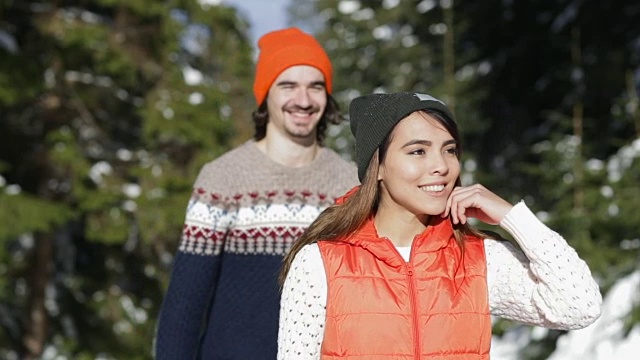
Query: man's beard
x=299, y=133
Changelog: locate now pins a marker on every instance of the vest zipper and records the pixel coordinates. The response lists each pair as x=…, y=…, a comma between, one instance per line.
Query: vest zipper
x=414, y=309
x=412, y=292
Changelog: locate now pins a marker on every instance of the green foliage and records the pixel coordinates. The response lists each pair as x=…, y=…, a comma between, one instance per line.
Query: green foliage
x=374, y=48
x=383, y=46
x=600, y=229
x=543, y=116
x=28, y=78
x=22, y=213
x=109, y=109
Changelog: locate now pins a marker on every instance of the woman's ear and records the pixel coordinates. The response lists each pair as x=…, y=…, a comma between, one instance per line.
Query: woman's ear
x=380, y=172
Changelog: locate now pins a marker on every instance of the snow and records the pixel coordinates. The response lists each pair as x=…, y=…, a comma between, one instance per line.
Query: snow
x=623, y=160
x=8, y=42
x=192, y=76
x=603, y=340
x=13, y=189
x=131, y=190
x=98, y=170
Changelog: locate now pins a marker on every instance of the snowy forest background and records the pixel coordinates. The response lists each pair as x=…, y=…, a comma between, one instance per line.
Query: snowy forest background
x=108, y=109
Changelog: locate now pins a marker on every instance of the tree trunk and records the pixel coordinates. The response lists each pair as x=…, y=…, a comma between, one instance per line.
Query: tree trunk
x=449, y=57
x=633, y=99
x=578, y=127
x=40, y=273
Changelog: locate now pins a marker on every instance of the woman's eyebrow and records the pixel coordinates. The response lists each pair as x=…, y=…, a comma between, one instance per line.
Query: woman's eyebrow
x=427, y=142
x=417, y=142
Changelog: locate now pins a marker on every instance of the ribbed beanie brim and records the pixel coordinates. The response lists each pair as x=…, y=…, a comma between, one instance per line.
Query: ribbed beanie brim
x=372, y=117
x=282, y=49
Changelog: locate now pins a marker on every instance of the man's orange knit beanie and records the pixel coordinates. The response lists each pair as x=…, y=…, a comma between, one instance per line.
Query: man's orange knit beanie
x=282, y=49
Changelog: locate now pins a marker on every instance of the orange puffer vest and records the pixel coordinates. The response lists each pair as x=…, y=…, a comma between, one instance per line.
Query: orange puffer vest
x=380, y=307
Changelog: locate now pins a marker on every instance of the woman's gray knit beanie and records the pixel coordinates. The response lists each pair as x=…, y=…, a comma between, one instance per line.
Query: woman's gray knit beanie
x=373, y=116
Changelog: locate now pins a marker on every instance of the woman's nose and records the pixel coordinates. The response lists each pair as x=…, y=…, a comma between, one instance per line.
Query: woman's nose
x=438, y=165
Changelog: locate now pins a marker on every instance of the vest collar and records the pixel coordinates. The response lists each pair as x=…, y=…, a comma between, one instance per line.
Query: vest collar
x=438, y=235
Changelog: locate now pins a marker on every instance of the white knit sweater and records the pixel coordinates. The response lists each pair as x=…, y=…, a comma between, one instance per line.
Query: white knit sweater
x=545, y=284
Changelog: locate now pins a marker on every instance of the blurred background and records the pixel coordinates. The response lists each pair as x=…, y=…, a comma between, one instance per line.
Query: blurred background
x=108, y=109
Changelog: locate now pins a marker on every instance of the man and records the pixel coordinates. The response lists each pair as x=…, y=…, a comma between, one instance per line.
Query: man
x=250, y=205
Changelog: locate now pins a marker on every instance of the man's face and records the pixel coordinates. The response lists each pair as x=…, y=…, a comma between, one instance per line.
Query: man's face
x=296, y=101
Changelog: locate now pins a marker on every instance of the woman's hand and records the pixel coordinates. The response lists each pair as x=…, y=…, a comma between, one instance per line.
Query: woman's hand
x=475, y=201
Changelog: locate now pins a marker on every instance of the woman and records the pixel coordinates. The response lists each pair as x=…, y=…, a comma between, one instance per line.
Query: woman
x=395, y=271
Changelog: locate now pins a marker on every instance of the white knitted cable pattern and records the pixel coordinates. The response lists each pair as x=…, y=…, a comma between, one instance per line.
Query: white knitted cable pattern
x=550, y=286
x=302, y=307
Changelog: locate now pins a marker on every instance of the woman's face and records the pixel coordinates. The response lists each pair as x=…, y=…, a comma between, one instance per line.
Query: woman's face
x=420, y=168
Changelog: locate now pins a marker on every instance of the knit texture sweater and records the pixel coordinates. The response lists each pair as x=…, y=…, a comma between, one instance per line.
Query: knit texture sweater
x=245, y=213
x=541, y=282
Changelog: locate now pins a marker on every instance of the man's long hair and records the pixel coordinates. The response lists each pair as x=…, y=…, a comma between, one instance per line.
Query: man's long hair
x=331, y=115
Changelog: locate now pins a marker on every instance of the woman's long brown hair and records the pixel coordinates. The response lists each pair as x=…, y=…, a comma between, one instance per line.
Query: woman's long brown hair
x=339, y=221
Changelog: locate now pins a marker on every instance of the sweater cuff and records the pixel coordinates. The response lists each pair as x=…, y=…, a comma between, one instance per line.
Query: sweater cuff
x=525, y=227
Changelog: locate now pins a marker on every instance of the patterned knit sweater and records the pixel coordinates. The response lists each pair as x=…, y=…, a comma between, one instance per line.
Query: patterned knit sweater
x=245, y=213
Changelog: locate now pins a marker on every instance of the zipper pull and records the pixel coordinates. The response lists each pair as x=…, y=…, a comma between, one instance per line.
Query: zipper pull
x=409, y=269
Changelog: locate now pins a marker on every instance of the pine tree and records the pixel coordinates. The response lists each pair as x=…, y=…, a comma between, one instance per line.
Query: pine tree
x=546, y=102
x=387, y=46
x=109, y=108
